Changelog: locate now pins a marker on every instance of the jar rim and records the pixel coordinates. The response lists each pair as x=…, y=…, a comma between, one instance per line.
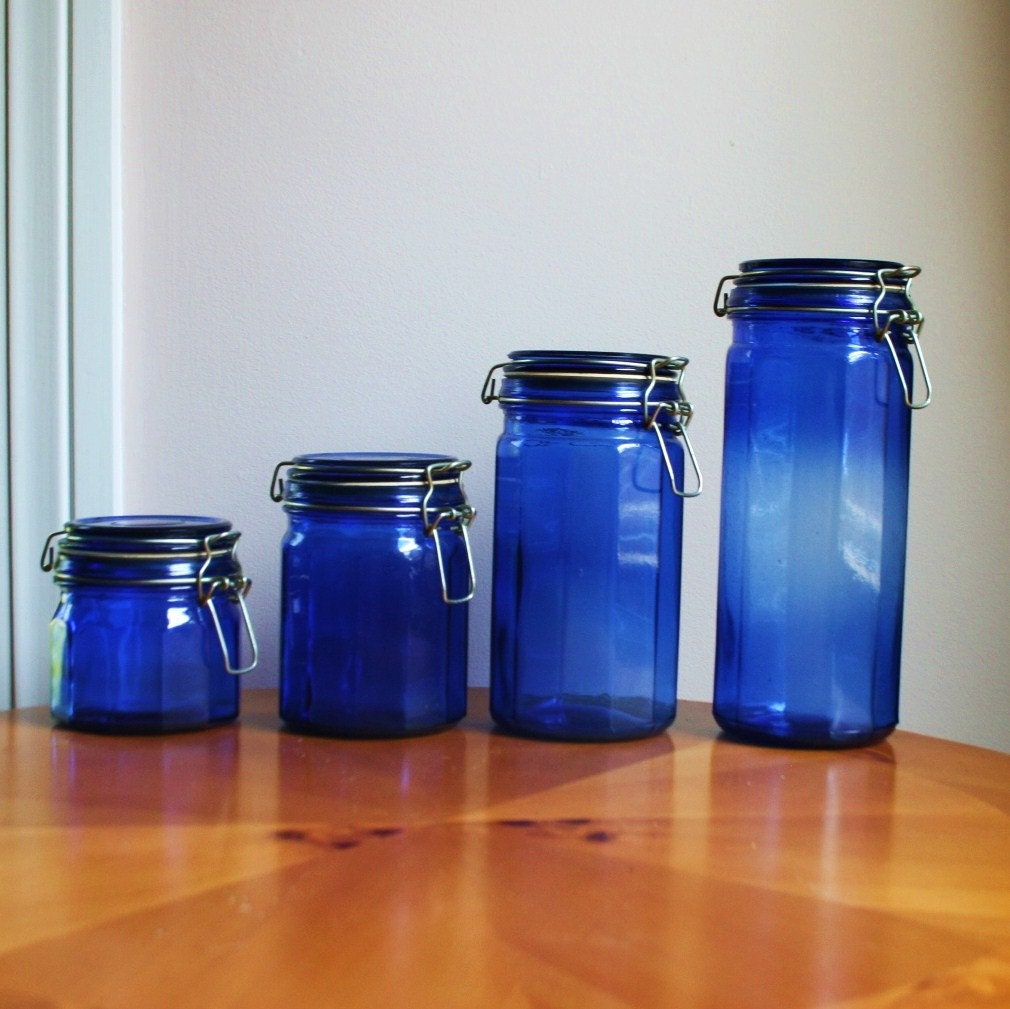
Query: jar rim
x=583, y=358
x=148, y=527
x=842, y=267
x=372, y=469
x=604, y=370
x=403, y=473
x=819, y=263
x=386, y=463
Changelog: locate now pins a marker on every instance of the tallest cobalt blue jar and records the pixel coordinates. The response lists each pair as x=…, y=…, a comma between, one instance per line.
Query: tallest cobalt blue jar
x=589, y=492
x=820, y=390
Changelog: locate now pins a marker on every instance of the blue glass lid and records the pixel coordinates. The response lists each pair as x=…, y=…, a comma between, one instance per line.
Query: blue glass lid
x=382, y=467
x=373, y=469
x=385, y=463
x=577, y=377
x=838, y=270
x=585, y=363
x=144, y=527
x=139, y=537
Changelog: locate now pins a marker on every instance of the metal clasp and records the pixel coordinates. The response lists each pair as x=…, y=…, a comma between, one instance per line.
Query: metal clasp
x=48, y=559
x=237, y=589
x=488, y=393
x=681, y=413
x=721, y=308
x=277, y=482
x=911, y=319
x=457, y=517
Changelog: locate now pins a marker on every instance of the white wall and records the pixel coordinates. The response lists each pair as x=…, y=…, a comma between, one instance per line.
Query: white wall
x=338, y=215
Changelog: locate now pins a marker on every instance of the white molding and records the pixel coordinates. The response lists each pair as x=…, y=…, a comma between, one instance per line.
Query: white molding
x=38, y=326
x=6, y=673
x=96, y=251
x=64, y=295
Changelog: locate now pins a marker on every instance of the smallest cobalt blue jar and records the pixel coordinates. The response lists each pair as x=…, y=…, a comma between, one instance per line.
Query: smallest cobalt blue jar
x=376, y=575
x=147, y=635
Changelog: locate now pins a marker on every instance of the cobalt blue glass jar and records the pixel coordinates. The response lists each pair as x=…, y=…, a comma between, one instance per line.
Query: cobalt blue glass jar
x=376, y=574
x=146, y=637
x=819, y=394
x=587, y=543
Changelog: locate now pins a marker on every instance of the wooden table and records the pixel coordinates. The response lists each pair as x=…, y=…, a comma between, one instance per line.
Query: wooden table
x=245, y=866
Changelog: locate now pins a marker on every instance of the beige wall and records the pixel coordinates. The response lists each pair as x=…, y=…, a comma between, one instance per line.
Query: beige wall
x=339, y=214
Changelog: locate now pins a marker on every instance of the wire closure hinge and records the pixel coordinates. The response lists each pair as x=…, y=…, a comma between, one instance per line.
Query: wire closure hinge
x=236, y=589
x=277, y=481
x=48, y=559
x=488, y=393
x=455, y=518
x=908, y=323
x=674, y=416
x=721, y=304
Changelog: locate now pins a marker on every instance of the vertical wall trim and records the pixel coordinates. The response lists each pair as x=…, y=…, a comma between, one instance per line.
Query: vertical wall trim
x=96, y=266
x=6, y=626
x=63, y=260
x=38, y=326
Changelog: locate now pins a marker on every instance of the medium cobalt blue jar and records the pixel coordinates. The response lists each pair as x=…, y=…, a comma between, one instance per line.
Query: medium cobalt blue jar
x=146, y=637
x=589, y=495
x=819, y=398
x=376, y=575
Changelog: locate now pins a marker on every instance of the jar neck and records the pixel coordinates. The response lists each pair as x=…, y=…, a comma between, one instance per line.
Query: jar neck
x=607, y=418
x=833, y=334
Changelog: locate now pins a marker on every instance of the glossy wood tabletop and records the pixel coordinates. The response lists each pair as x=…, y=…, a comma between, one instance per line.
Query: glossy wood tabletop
x=246, y=866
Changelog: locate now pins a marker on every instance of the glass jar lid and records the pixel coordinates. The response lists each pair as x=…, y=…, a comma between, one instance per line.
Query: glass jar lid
x=373, y=469
x=874, y=291
x=128, y=533
x=585, y=378
x=139, y=538
x=155, y=552
x=647, y=387
x=335, y=478
x=380, y=485
x=864, y=287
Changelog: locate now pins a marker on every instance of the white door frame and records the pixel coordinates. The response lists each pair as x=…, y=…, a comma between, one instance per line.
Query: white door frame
x=64, y=303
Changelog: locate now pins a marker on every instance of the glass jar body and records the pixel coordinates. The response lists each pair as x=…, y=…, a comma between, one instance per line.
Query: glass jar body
x=369, y=646
x=587, y=555
x=140, y=659
x=813, y=526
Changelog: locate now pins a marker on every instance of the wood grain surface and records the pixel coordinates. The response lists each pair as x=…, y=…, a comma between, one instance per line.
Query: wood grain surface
x=246, y=866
